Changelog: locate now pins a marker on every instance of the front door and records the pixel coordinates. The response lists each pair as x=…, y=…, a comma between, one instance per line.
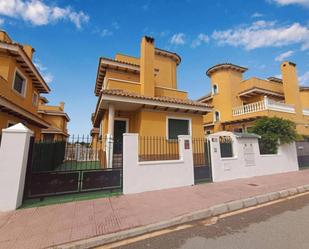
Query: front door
x=120, y=127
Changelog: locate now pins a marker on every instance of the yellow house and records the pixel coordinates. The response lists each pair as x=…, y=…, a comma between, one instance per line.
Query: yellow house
x=238, y=102
x=20, y=86
x=140, y=95
x=57, y=118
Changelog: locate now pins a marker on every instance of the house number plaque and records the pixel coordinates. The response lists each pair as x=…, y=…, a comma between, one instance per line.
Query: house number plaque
x=187, y=145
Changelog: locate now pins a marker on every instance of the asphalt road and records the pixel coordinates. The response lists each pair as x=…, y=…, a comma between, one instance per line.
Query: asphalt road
x=283, y=225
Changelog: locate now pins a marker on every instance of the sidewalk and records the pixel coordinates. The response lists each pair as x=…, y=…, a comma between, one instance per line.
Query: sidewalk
x=56, y=224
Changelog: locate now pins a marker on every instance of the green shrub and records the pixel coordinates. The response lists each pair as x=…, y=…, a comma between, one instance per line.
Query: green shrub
x=274, y=131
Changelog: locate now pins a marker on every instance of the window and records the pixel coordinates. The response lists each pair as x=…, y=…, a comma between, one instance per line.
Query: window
x=240, y=130
x=35, y=99
x=48, y=138
x=19, y=83
x=10, y=123
x=217, y=116
x=214, y=89
x=178, y=127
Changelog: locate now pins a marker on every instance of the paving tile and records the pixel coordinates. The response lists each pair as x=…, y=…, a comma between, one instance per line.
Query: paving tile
x=83, y=232
x=56, y=238
x=57, y=224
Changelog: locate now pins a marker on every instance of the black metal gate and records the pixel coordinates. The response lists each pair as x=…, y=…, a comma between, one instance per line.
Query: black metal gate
x=72, y=166
x=201, y=160
x=303, y=154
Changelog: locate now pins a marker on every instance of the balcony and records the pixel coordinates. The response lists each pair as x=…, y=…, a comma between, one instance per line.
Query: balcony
x=265, y=104
x=306, y=111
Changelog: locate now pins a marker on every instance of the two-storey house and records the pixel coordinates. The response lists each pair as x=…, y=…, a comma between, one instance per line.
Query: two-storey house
x=238, y=102
x=57, y=118
x=20, y=86
x=140, y=95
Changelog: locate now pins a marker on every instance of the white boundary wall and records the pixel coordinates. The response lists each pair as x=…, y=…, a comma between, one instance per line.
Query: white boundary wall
x=247, y=161
x=13, y=164
x=155, y=175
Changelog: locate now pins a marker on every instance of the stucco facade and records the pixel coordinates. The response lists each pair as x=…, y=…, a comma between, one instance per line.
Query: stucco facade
x=57, y=118
x=238, y=102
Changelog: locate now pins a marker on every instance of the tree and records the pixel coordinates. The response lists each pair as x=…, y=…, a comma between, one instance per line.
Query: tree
x=274, y=131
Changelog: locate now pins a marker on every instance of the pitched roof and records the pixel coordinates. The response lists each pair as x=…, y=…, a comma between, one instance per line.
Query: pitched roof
x=16, y=50
x=8, y=106
x=225, y=66
x=122, y=93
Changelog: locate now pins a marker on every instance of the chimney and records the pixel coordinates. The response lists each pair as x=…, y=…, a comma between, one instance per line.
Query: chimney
x=290, y=86
x=29, y=50
x=147, y=66
x=61, y=105
x=5, y=37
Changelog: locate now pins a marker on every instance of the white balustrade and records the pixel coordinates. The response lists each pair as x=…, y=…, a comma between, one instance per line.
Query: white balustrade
x=306, y=111
x=265, y=104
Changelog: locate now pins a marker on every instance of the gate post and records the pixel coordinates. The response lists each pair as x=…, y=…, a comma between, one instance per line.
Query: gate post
x=13, y=164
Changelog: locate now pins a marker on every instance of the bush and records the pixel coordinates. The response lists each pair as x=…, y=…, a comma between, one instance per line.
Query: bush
x=274, y=131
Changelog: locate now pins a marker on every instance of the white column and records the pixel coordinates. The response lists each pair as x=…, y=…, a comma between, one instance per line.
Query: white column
x=110, y=136
x=111, y=117
x=266, y=102
x=13, y=164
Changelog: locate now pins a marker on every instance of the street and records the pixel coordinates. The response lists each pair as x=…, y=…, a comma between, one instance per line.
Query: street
x=283, y=225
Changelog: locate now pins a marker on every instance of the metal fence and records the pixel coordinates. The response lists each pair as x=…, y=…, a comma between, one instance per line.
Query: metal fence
x=303, y=153
x=226, y=146
x=158, y=148
x=78, y=164
x=201, y=160
x=74, y=153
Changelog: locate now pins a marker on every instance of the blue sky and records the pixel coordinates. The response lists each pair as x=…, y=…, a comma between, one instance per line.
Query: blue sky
x=70, y=36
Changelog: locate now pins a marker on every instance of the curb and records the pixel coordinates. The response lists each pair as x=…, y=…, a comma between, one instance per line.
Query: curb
x=194, y=216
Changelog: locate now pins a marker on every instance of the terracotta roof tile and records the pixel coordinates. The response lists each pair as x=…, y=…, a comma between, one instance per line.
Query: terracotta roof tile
x=119, y=92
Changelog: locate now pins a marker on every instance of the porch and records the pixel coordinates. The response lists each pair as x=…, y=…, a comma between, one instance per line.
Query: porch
x=120, y=112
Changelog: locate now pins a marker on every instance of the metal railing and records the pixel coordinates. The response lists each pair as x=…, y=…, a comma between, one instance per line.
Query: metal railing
x=74, y=153
x=158, y=148
x=265, y=104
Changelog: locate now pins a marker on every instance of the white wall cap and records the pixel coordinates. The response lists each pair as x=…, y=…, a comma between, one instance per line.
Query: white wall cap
x=184, y=136
x=130, y=134
x=222, y=133
x=18, y=128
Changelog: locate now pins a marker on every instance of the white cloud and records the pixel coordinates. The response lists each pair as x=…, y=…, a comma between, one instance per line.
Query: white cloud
x=115, y=25
x=47, y=76
x=257, y=15
x=38, y=13
x=201, y=38
x=178, y=39
x=102, y=32
x=288, y=2
x=304, y=79
x=264, y=34
x=106, y=32
x=283, y=56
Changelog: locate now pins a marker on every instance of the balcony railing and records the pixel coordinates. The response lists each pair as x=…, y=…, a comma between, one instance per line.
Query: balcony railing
x=265, y=104
x=306, y=111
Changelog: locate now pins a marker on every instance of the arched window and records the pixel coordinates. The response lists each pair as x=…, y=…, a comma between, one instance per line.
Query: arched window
x=217, y=116
x=214, y=89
